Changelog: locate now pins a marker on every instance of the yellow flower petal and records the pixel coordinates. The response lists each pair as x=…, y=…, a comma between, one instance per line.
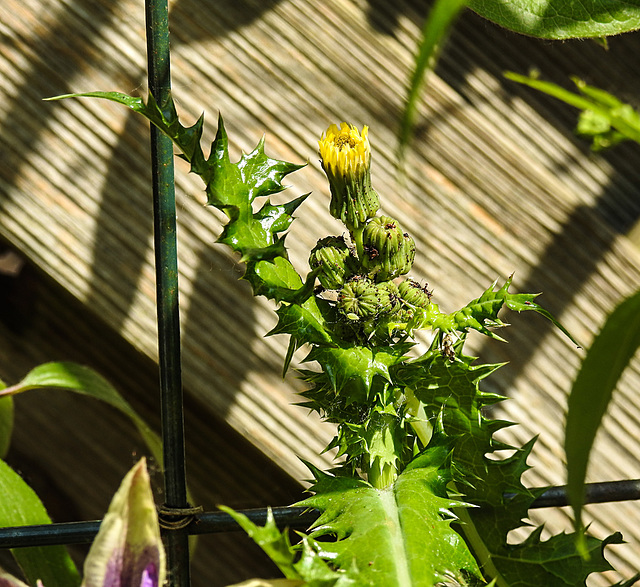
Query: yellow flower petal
x=344, y=151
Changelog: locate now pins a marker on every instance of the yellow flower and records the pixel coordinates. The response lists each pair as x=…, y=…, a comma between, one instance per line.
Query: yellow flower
x=346, y=159
x=344, y=151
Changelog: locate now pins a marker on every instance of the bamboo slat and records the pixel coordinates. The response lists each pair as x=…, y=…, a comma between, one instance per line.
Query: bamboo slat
x=496, y=182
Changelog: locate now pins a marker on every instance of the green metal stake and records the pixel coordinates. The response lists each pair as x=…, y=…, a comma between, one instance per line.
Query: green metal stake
x=164, y=207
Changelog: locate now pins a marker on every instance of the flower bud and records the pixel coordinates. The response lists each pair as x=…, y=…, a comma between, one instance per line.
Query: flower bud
x=336, y=263
x=387, y=251
x=359, y=299
x=413, y=293
x=388, y=296
x=346, y=160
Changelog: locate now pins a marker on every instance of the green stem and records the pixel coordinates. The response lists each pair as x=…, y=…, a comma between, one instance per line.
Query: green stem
x=418, y=418
x=356, y=238
x=382, y=478
x=479, y=548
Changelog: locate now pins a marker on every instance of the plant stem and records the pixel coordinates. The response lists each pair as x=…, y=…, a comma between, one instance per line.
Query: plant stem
x=418, y=418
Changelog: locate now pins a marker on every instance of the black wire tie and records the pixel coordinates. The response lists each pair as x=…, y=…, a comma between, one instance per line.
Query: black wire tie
x=177, y=518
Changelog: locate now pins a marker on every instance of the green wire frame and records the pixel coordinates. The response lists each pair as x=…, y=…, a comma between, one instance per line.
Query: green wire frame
x=166, y=260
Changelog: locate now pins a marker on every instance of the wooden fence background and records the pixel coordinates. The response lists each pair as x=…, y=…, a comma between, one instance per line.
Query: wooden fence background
x=496, y=182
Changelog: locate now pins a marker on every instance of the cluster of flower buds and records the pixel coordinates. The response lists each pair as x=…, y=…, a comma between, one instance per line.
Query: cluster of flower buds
x=362, y=272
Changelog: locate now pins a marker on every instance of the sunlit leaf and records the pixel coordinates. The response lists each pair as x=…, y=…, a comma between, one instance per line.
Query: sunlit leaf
x=562, y=19
x=603, y=365
x=397, y=536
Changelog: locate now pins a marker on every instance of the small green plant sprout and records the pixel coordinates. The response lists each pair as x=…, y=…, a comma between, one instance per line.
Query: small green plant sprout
x=419, y=495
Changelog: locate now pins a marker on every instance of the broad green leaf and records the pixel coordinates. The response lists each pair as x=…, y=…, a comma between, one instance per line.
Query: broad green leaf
x=436, y=27
x=86, y=381
x=562, y=19
x=399, y=536
x=6, y=424
x=603, y=365
x=20, y=506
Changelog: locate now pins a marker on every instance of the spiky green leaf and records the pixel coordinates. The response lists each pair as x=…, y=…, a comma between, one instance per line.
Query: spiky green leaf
x=398, y=536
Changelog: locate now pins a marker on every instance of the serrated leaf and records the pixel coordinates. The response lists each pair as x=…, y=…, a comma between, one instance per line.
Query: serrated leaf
x=231, y=187
x=453, y=401
x=562, y=19
x=239, y=184
x=300, y=564
x=482, y=313
x=278, y=280
x=269, y=537
x=602, y=367
x=278, y=218
x=305, y=322
x=356, y=366
x=554, y=562
x=20, y=506
x=399, y=536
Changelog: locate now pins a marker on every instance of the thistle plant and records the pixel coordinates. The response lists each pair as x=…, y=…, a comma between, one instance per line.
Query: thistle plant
x=418, y=494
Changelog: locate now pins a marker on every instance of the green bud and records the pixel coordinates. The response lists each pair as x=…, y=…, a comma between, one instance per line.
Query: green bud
x=413, y=293
x=388, y=251
x=389, y=296
x=336, y=263
x=359, y=299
